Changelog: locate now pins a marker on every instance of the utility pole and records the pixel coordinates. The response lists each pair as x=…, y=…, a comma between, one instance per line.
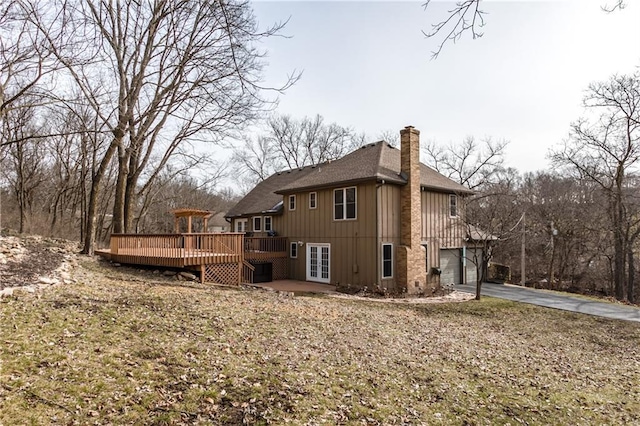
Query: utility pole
x=523, y=254
x=554, y=232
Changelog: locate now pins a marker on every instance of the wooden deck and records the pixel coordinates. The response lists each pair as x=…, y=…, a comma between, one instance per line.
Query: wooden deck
x=220, y=256
x=175, y=250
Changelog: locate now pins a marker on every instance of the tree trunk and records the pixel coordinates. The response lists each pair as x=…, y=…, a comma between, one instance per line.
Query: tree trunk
x=120, y=196
x=631, y=275
x=90, y=223
x=130, y=201
x=94, y=194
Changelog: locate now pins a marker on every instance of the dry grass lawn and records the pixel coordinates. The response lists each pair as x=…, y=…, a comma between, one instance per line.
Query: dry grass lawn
x=118, y=349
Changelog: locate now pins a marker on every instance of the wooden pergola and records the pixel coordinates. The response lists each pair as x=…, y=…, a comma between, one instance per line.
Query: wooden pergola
x=190, y=214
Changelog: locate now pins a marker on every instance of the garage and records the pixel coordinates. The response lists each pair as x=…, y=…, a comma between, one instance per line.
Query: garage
x=473, y=256
x=451, y=266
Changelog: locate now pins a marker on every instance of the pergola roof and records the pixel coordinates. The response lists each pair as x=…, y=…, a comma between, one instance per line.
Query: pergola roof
x=192, y=212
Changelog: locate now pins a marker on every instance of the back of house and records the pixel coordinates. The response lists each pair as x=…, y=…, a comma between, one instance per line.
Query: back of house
x=376, y=218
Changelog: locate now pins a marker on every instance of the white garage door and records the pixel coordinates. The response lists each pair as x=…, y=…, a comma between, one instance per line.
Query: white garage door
x=473, y=256
x=450, y=265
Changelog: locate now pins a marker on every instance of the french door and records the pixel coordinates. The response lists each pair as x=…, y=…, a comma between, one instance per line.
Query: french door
x=318, y=262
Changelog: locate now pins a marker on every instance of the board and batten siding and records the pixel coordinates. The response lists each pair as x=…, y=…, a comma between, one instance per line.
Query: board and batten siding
x=353, y=242
x=388, y=230
x=439, y=230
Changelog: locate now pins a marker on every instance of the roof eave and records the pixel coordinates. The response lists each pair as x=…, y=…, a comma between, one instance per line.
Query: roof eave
x=325, y=185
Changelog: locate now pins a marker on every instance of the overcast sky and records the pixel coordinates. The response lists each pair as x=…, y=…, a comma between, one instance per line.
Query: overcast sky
x=368, y=66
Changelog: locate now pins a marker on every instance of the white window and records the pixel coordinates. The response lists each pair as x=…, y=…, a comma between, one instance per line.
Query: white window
x=292, y=202
x=313, y=200
x=257, y=224
x=453, y=205
x=267, y=223
x=344, y=203
x=387, y=260
x=293, y=253
x=241, y=225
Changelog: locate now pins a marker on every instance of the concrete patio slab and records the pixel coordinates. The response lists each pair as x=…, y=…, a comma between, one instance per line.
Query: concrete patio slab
x=298, y=286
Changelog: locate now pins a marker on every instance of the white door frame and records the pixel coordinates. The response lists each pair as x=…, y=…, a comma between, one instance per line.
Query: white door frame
x=322, y=271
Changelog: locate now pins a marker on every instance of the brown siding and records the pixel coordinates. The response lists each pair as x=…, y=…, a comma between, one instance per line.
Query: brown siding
x=436, y=222
x=353, y=242
x=388, y=229
x=438, y=229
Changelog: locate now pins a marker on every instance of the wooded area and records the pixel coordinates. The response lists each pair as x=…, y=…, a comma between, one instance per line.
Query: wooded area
x=580, y=222
x=103, y=104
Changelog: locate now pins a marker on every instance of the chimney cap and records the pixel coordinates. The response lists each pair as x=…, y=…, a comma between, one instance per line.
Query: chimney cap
x=410, y=129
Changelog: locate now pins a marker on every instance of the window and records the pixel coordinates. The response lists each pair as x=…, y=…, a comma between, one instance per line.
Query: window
x=453, y=205
x=241, y=225
x=387, y=260
x=267, y=223
x=344, y=203
x=292, y=202
x=313, y=200
x=294, y=250
x=257, y=224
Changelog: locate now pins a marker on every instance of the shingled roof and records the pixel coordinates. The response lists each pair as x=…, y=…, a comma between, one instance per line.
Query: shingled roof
x=379, y=161
x=263, y=197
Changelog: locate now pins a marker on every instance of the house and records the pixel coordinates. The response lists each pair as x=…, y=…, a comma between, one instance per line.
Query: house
x=376, y=217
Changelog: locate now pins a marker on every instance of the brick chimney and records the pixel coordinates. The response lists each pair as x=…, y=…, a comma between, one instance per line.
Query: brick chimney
x=411, y=255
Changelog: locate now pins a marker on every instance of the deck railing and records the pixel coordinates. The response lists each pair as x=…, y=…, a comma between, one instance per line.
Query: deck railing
x=265, y=244
x=183, y=249
x=264, y=249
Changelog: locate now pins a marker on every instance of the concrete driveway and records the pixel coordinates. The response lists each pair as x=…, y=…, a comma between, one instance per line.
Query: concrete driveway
x=556, y=300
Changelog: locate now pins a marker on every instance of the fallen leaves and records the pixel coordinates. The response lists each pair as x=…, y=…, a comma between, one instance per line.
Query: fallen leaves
x=136, y=352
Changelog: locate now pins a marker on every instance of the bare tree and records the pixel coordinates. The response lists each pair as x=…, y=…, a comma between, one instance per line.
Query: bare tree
x=390, y=136
x=470, y=163
x=605, y=149
x=25, y=54
x=160, y=190
x=257, y=159
x=157, y=75
x=491, y=218
x=467, y=17
x=24, y=161
x=294, y=143
x=479, y=166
